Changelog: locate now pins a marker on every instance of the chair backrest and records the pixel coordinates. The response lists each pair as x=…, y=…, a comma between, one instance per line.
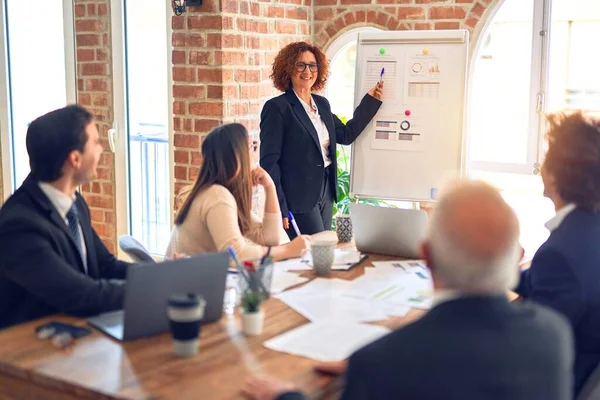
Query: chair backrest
x=591, y=387
x=134, y=249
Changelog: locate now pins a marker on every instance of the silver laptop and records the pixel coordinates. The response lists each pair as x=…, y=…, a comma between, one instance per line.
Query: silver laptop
x=388, y=231
x=148, y=286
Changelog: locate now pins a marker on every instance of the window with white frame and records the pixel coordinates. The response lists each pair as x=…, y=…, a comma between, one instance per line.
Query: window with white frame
x=533, y=58
x=37, y=75
x=517, y=76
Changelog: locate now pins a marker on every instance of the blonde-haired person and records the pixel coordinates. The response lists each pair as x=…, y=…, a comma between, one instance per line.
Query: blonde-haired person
x=217, y=211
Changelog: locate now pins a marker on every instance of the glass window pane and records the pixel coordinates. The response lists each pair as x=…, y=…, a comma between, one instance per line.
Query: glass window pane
x=499, y=108
x=36, y=64
x=342, y=79
x=147, y=83
x=574, y=79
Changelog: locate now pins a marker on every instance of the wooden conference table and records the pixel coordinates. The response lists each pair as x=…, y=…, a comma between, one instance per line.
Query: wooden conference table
x=98, y=367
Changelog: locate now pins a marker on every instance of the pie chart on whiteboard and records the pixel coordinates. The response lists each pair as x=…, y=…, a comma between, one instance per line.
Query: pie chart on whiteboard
x=417, y=67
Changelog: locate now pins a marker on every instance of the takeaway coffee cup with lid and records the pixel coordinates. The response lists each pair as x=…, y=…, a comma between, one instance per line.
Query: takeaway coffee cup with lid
x=185, y=312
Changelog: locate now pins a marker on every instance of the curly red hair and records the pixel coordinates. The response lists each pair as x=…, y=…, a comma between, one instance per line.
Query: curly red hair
x=284, y=65
x=573, y=158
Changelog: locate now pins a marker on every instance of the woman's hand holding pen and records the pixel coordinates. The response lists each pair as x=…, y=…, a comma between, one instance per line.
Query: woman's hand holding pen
x=294, y=249
x=377, y=90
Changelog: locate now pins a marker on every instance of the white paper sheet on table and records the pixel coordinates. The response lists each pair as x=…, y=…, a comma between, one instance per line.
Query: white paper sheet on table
x=344, y=260
x=335, y=340
x=333, y=308
x=283, y=280
x=325, y=299
x=404, y=265
x=394, y=286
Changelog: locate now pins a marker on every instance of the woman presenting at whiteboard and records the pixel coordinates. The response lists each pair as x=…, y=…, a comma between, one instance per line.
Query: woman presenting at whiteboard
x=299, y=133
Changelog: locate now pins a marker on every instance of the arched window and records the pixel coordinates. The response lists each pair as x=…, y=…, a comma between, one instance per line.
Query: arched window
x=340, y=85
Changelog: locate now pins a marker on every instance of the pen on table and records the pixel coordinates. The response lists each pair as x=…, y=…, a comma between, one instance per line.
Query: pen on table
x=381, y=75
x=293, y=221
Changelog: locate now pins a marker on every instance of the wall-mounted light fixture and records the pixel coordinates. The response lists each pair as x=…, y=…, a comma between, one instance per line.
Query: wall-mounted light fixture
x=179, y=6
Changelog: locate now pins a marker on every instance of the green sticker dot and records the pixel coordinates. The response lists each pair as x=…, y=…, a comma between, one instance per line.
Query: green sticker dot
x=382, y=51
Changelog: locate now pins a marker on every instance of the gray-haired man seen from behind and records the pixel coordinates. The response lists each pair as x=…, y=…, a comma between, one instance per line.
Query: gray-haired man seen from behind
x=473, y=343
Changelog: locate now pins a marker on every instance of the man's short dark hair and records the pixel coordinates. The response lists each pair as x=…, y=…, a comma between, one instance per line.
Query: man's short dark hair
x=52, y=137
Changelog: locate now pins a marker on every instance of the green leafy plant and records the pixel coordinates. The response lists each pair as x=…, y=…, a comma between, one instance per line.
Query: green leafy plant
x=251, y=300
x=254, y=290
x=343, y=184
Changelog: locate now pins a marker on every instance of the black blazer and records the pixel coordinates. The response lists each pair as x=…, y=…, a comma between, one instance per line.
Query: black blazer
x=290, y=150
x=41, y=271
x=565, y=276
x=467, y=348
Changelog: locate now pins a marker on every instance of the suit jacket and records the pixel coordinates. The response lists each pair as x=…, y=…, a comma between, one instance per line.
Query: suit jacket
x=41, y=270
x=467, y=348
x=565, y=275
x=290, y=150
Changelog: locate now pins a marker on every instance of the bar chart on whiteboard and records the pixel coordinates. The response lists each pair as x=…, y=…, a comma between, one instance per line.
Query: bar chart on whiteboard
x=373, y=74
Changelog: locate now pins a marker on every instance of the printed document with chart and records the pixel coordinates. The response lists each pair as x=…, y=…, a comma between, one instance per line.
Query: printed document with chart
x=413, y=80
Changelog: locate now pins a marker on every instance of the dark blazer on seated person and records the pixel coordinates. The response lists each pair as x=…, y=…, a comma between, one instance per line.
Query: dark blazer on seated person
x=467, y=348
x=565, y=275
x=290, y=150
x=41, y=270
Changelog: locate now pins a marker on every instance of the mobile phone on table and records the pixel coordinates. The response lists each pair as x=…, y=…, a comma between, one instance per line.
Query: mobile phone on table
x=56, y=327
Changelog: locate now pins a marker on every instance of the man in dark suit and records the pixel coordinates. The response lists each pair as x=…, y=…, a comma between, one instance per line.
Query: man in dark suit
x=51, y=259
x=565, y=271
x=474, y=343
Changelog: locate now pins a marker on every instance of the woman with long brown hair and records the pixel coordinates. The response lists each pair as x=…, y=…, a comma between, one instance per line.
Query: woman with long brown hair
x=217, y=211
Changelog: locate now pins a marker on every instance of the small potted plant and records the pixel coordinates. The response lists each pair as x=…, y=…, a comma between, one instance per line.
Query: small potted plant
x=252, y=315
x=255, y=278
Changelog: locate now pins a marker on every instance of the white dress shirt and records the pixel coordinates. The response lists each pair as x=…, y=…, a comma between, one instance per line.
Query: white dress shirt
x=313, y=113
x=63, y=204
x=561, y=214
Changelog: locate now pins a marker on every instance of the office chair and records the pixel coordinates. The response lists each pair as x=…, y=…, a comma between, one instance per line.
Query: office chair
x=134, y=249
x=591, y=387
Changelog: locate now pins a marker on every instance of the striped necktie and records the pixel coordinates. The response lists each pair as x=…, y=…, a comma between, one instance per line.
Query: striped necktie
x=73, y=219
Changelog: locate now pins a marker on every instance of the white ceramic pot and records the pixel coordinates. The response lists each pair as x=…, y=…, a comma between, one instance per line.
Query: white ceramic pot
x=252, y=323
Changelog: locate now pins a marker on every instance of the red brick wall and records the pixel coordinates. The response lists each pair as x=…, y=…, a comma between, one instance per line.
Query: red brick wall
x=94, y=91
x=222, y=52
x=333, y=17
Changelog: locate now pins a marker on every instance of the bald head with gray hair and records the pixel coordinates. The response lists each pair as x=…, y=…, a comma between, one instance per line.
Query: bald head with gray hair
x=473, y=241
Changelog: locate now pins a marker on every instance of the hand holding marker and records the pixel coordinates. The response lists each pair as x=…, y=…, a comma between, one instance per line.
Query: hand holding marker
x=293, y=221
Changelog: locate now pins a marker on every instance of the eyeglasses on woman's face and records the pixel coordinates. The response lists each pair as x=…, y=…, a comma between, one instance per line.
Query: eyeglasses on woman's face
x=300, y=67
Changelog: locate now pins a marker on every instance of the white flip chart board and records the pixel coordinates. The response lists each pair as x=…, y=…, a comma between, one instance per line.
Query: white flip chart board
x=416, y=140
